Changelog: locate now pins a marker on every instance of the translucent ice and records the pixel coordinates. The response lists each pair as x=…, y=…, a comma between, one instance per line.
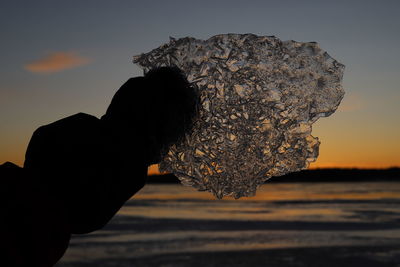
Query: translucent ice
x=259, y=97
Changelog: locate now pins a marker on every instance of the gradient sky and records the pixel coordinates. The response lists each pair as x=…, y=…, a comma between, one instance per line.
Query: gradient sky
x=63, y=57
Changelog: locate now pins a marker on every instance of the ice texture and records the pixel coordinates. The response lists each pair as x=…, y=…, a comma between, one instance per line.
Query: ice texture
x=259, y=97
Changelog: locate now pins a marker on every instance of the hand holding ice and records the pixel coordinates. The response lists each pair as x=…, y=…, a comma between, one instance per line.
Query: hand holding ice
x=259, y=97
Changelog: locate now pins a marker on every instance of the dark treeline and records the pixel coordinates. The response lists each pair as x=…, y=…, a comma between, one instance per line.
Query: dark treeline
x=315, y=175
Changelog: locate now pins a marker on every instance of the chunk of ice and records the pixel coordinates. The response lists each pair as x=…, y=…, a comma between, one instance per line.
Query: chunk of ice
x=259, y=97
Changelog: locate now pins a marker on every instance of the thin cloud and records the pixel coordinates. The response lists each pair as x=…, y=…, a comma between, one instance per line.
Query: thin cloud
x=55, y=62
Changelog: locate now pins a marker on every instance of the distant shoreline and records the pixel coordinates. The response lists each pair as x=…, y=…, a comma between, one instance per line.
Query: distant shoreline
x=310, y=175
x=313, y=175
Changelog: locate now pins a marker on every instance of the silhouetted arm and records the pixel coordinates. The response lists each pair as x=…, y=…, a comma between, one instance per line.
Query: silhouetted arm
x=33, y=227
x=82, y=165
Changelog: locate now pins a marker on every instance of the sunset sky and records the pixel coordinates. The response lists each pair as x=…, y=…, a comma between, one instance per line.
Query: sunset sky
x=59, y=58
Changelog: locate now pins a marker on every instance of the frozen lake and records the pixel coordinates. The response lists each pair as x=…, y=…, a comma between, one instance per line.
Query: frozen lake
x=287, y=224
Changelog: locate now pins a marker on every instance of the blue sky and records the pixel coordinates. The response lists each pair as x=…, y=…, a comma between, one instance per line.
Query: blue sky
x=99, y=38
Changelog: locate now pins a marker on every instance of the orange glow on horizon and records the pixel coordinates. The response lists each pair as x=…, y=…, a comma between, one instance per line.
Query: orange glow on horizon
x=153, y=169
